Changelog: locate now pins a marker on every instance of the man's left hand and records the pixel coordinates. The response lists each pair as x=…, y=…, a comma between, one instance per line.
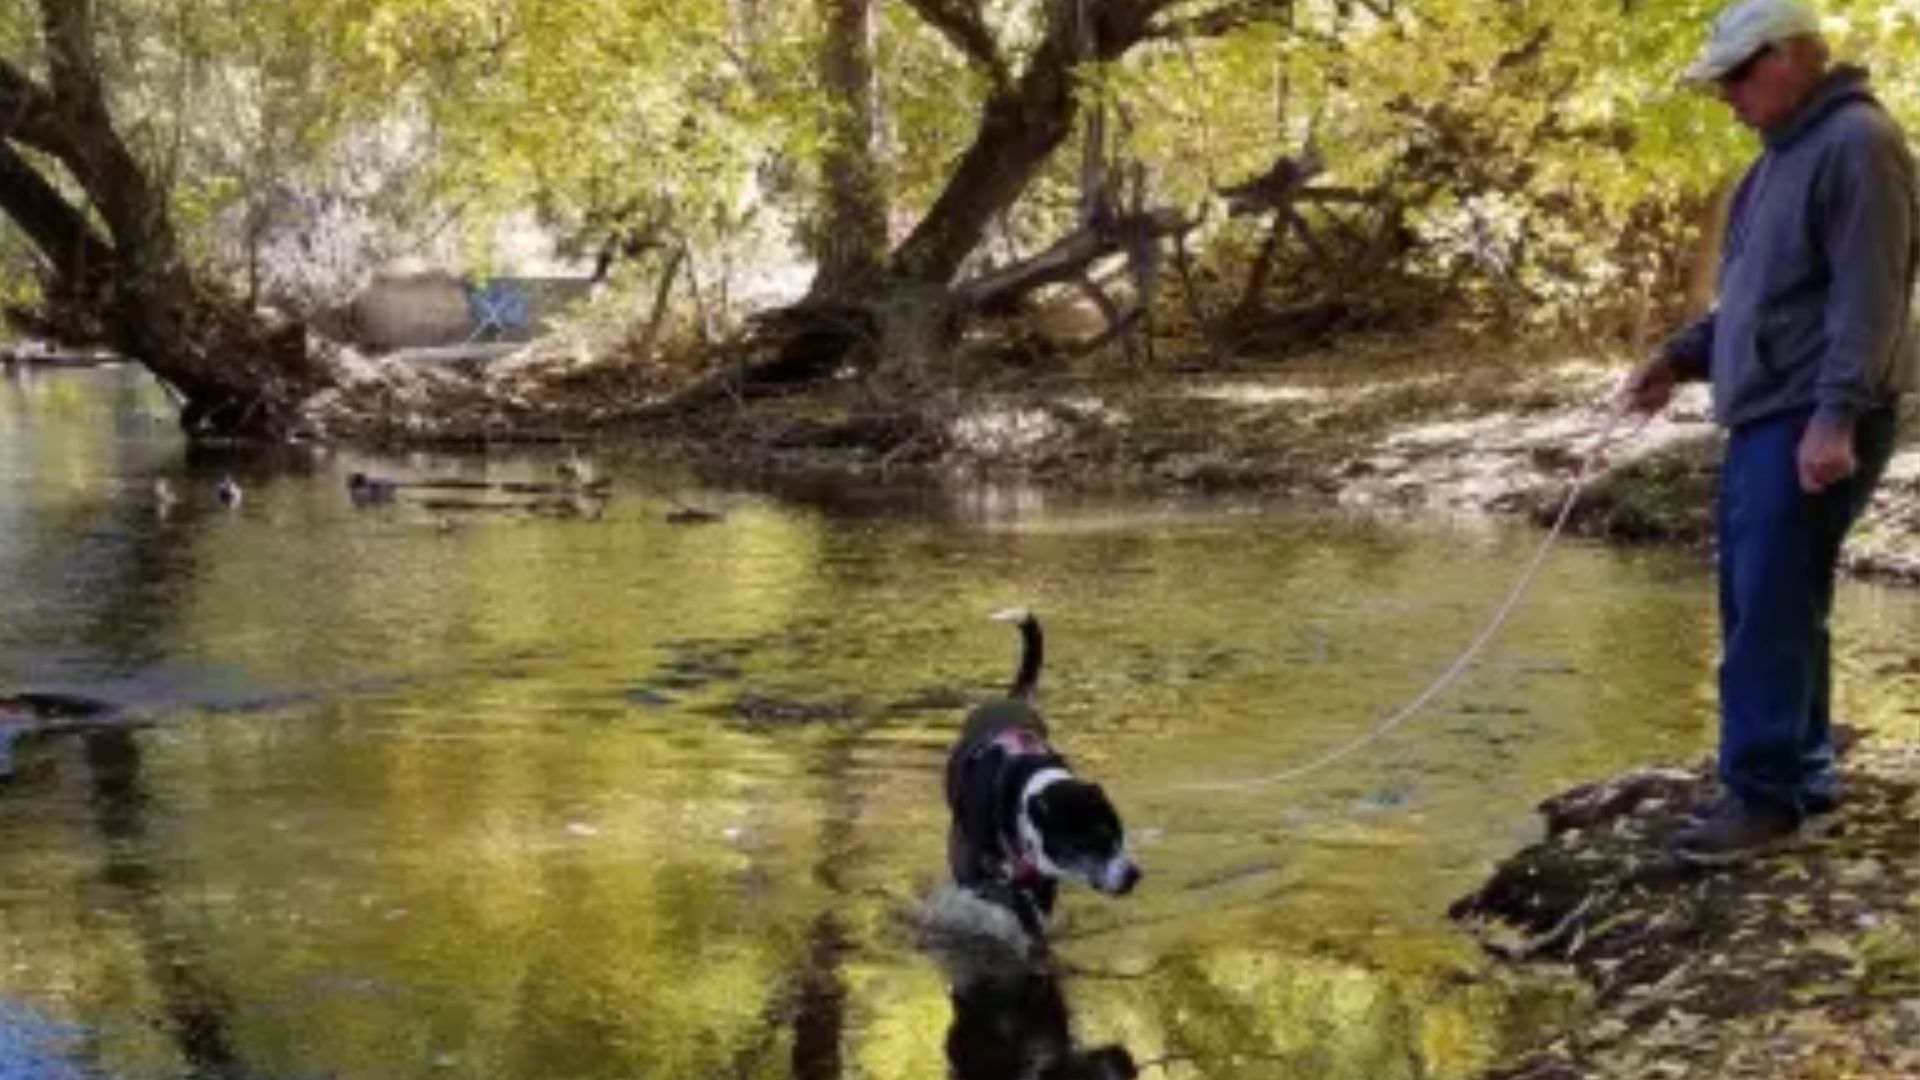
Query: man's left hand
x=1826, y=455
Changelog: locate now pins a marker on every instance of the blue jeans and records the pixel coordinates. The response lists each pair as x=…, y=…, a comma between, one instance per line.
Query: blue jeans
x=1779, y=548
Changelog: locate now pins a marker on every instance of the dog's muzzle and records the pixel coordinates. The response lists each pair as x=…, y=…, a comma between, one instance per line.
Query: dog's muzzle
x=1117, y=877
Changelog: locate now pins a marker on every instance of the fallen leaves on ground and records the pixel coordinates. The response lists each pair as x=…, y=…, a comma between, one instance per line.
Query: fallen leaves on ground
x=1800, y=965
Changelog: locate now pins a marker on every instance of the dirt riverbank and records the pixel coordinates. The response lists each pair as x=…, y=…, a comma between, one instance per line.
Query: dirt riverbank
x=1449, y=423
x=1445, y=424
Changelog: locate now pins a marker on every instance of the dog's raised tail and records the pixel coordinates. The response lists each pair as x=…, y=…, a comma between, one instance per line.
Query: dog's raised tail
x=1032, y=651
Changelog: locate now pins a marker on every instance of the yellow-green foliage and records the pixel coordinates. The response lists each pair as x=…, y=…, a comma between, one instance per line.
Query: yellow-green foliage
x=1568, y=119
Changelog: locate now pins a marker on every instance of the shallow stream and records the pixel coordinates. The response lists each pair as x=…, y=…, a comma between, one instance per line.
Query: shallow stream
x=544, y=788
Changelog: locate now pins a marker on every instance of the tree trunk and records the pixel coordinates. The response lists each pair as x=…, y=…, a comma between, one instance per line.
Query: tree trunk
x=906, y=318
x=236, y=375
x=661, y=293
x=1021, y=125
x=851, y=242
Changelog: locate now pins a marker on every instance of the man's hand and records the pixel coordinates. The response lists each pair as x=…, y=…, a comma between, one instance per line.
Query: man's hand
x=1826, y=454
x=1649, y=387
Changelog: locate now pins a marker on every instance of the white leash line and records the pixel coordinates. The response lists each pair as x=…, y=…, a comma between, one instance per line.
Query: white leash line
x=1459, y=666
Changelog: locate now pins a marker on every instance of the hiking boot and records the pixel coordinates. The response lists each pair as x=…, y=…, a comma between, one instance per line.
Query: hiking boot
x=1820, y=812
x=1813, y=804
x=1736, y=830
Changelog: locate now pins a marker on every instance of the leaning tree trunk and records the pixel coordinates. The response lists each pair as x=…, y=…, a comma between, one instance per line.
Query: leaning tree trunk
x=908, y=313
x=234, y=374
x=1021, y=125
x=906, y=318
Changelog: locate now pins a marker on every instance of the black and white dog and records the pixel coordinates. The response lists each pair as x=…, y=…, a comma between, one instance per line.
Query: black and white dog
x=1022, y=821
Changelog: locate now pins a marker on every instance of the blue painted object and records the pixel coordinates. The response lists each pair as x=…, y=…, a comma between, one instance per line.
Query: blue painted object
x=500, y=312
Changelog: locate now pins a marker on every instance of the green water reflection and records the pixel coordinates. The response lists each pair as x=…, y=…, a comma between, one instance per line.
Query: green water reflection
x=502, y=795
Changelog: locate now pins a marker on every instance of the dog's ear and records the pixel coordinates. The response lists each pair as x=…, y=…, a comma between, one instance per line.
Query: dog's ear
x=1093, y=795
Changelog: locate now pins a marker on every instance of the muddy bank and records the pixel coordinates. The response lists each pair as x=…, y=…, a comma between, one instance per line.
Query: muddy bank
x=1802, y=963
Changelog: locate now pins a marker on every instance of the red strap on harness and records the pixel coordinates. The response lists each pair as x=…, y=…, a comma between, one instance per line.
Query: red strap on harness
x=1022, y=870
x=1020, y=742
x=1019, y=867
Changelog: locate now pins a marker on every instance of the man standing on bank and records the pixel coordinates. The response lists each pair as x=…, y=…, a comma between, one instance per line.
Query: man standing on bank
x=1807, y=349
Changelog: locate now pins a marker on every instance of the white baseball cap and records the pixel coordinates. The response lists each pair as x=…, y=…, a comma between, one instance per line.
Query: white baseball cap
x=1744, y=29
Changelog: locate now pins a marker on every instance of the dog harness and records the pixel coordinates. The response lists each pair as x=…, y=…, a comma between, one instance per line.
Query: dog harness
x=1026, y=854
x=1023, y=766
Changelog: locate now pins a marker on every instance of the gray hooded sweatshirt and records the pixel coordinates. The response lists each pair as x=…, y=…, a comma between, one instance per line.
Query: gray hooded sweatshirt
x=1816, y=269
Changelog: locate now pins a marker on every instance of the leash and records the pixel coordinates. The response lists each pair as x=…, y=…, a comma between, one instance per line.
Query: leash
x=1473, y=650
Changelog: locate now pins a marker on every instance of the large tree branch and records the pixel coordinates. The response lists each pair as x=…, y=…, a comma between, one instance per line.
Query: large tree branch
x=1119, y=25
x=81, y=260
x=964, y=26
x=27, y=113
x=73, y=71
x=1067, y=259
x=81, y=134
x=71, y=122
x=1021, y=125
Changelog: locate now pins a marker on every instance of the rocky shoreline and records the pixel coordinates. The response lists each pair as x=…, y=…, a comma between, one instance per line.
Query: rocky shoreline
x=1804, y=963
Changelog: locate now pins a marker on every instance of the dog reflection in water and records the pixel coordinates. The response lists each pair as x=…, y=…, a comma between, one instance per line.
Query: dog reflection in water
x=1014, y=1026
x=1010, y=1016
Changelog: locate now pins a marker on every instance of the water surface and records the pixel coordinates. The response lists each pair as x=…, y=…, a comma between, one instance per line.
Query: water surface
x=523, y=792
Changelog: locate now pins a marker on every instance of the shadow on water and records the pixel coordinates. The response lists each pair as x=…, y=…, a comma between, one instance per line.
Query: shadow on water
x=820, y=1012
x=197, y=1011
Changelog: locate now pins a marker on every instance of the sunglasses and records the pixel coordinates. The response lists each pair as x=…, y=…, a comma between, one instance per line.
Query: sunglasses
x=1742, y=71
